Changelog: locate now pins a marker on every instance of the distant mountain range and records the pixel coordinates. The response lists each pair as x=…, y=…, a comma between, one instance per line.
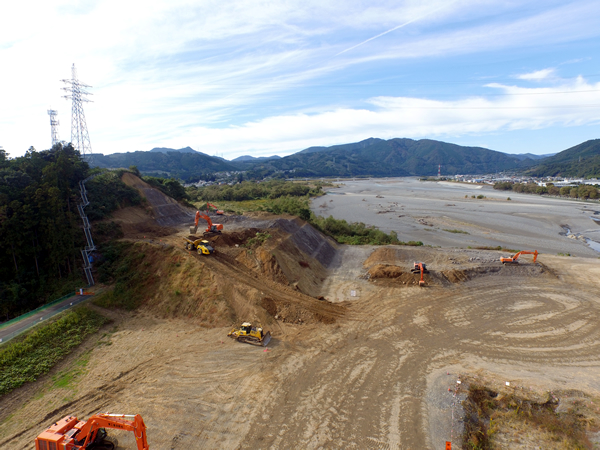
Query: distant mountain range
x=371, y=157
x=523, y=156
x=180, y=150
x=185, y=165
x=248, y=158
x=393, y=157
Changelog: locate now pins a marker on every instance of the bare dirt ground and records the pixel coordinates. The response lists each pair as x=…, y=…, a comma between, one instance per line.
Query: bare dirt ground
x=374, y=364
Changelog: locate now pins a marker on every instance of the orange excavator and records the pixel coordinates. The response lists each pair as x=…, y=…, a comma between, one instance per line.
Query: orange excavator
x=219, y=212
x=420, y=267
x=212, y=227
x=513, y=259
x=73, y=434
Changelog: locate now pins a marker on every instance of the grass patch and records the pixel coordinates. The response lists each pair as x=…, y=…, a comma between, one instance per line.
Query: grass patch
x=259, y=239
x=237, y=207
x=499, y=247
x=456, y=231
x=25, y=360
x=485, y=411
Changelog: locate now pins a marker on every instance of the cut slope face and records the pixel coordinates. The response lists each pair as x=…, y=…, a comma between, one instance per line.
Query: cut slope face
x=165, y=210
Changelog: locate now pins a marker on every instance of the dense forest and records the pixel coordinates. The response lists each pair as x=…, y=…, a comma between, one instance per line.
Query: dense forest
x=580, y=161
x=40, y=237
x=40, y=228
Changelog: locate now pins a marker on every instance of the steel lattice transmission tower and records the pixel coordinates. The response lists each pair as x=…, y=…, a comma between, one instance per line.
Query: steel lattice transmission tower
x=54, y=126
x=80, y=137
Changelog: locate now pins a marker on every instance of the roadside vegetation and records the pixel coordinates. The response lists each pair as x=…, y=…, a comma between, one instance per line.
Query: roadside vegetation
x=23, y=360
x=583, y=191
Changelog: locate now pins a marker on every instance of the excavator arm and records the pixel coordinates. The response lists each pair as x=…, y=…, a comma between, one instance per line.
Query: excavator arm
x=212, y=228
x=514, y=259
x=218, y=211
x=125, y=422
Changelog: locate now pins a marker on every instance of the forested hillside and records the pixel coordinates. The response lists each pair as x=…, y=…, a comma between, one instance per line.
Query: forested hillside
x=581, y=161
x=39, y=234
x=394, y=157
x=188, y=166
x=40, y=227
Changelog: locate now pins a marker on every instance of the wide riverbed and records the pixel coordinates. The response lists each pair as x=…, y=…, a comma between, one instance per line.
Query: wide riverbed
x=423, y=211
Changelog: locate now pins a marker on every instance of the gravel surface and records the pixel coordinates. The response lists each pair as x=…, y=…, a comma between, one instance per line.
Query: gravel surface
x=422, y=211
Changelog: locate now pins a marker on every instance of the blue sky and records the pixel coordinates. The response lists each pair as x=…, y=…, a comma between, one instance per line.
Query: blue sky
x=267, y=77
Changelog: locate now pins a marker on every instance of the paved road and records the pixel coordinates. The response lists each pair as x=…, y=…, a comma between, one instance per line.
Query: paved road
x=16, y=328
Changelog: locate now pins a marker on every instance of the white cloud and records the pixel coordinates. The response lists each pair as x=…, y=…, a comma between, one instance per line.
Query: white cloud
x=538, y=75
x=576, y=103
x=225, y=72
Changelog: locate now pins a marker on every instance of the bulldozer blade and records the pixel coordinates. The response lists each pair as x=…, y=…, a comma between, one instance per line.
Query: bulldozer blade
x=266, y=339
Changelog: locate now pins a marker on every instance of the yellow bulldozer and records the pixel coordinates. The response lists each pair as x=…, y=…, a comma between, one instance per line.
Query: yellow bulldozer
x=251, y=335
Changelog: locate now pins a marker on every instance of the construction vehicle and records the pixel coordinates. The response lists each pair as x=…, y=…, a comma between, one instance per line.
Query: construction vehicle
x=219, y=212
x=212, y=227
x=251, y=335
x=73, y=434
x=202, y=246
x=513, y=259
x=420, y=267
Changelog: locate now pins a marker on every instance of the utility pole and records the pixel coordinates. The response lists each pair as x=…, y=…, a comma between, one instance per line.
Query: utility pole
x=53, y=126
x=76, y=91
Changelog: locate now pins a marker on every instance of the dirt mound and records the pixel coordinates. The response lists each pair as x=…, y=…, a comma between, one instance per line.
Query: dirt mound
x=382, y=255
x=231, y=239
x=135, y=222
x=396, y=274
x=165, y=210
x=385, y=271
x=517, y=270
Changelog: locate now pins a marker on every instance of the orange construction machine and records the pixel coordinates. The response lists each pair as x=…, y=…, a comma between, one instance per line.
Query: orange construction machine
x=420, y=267
x=212, y=227
x=513, y=259
x=73, y=434
x=220, y=212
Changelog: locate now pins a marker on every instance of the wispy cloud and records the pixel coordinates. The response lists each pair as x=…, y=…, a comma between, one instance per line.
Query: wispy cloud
x=222, y=73
x=538, y=75
x=516, y=108
x=419, y=17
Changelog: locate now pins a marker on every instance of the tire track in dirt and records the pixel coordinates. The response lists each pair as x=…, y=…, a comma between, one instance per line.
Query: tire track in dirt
x=362, y=388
